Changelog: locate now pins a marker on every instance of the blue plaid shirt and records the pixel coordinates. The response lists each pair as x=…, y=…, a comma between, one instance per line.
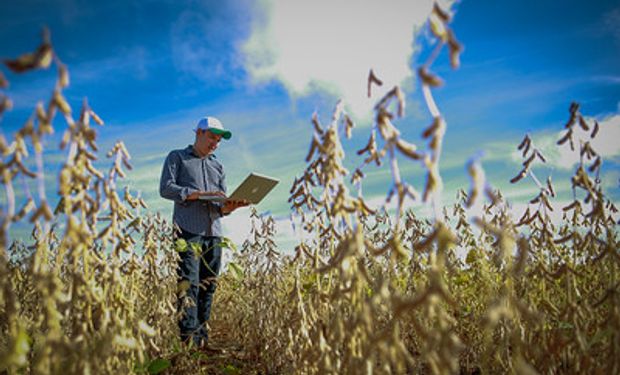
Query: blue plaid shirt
x=184, y=173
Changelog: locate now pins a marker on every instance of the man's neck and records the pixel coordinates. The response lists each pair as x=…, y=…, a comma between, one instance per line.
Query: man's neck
x=199, y=152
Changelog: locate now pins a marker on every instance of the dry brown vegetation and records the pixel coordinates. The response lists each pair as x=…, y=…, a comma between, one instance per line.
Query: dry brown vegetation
x=367, y=292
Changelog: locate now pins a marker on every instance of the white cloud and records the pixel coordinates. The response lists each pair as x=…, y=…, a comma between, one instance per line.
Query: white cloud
x=331, y=46
x=238, y=226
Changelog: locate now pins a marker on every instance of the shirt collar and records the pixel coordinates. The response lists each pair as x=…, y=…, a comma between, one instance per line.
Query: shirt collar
x=190, y=150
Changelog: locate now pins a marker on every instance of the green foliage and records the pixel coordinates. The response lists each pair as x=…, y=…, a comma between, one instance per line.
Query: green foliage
x=158, y=365
x=227, y=243
x=154, y=366
x=230, y=370
x=237, y=271
x=180, y=245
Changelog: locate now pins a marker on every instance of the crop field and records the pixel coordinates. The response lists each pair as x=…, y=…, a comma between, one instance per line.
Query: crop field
x=367, y=291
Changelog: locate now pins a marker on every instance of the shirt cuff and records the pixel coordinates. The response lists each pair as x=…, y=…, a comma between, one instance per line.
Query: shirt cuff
x=186, y=192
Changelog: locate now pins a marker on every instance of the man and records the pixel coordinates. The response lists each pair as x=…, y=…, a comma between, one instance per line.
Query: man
x=189, y=176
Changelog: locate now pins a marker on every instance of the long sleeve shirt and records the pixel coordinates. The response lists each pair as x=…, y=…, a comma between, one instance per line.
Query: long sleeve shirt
x=183, y=173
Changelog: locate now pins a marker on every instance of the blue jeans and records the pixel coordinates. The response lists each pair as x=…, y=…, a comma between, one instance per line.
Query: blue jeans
x=199, y=270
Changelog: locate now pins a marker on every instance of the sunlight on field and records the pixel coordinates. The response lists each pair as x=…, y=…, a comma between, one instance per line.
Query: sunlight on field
x=395, y=284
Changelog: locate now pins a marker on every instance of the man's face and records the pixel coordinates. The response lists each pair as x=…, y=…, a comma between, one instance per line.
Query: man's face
x=208, y=141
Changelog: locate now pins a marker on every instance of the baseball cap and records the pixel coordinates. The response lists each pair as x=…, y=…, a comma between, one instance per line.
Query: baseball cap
x=214, y=126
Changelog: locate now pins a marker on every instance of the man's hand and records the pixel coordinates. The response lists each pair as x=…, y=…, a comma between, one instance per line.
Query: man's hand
x=230, y=205
x=197, y=194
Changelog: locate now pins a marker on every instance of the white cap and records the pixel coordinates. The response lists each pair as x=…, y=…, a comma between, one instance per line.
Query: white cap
x=214, y=126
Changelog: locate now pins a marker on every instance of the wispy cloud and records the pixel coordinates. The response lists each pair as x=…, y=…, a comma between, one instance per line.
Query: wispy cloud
x=330, y=46
x=133, y=61
x=203, y=40
x=611, y=21
x=609, y=79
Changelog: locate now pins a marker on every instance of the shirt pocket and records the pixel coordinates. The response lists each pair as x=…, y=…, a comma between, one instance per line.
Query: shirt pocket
x=191, y=175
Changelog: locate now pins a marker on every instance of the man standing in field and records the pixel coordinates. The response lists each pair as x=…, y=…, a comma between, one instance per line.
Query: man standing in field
x=191, y=176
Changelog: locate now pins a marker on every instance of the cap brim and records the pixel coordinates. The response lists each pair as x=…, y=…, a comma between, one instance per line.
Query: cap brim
x=224, y=133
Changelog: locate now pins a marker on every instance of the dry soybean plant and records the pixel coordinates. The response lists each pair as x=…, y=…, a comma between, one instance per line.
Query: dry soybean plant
x=93, y=292
x=368, y=291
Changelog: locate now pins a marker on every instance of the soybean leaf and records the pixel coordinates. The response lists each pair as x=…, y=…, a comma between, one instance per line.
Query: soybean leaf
x=158, y=365
x=227, y=243
x=231, y=370
x=180, y=245
x=237, y=270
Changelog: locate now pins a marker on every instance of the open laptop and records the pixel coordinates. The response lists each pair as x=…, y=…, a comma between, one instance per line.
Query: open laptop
x=253, y=189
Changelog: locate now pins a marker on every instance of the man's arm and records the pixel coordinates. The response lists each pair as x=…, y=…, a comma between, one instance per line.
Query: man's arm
x=168, y=187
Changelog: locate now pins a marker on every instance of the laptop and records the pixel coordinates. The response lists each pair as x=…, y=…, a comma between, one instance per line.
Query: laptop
x=253, y=189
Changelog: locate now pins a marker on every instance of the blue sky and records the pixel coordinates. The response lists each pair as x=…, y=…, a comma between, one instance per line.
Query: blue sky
x=151, y=69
